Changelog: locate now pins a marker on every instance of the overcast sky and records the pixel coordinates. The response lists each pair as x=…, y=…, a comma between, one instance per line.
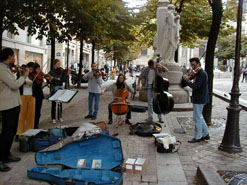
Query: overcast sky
x=134, y=3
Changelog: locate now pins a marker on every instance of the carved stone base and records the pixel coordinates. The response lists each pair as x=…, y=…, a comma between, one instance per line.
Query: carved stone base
x=180, y=95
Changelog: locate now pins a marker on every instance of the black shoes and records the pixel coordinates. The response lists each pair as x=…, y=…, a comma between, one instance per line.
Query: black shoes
x=12, y=158
x=4, y=167
x=109, y=122
x=93, y=118
x=207, y=137
x=88, y=116
x=194, y=140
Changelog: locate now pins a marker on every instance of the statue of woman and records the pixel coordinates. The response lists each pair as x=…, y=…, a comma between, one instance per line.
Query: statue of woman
x=169, y=44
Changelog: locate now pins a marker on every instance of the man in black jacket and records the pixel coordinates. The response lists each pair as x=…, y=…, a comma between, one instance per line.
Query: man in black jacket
x=200, y=97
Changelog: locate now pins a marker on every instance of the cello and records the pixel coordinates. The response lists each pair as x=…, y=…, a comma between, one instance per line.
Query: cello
x=120, y=105
x=163, y=102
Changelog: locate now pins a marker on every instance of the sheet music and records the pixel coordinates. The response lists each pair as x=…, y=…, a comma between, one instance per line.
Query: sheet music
x=63, y=95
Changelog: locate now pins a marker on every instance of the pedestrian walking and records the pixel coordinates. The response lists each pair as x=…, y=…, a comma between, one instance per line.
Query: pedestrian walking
x=148, y=76
x=244, y=73
x=10, y=102
x=94, y=90
x=198, y=81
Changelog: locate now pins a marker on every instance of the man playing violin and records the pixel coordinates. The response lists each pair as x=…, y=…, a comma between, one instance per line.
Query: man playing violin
x=120, y=83
x=94, y=90
x=200, y=97
x=10, y=102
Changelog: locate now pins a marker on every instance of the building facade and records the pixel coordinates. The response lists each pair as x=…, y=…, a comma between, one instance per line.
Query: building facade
x=27, y=48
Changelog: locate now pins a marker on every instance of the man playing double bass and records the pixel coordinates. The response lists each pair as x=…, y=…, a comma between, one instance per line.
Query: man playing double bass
x=148, y=76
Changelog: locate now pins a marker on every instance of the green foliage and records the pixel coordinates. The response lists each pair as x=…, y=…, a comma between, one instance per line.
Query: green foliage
x=226, y=47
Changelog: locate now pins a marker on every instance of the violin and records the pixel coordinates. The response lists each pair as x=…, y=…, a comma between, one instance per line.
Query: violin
x=15, y=69
x=120, y=106
x=192, y=73
x=61, y=70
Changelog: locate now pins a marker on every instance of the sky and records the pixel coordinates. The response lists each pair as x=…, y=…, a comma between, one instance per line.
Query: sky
x=135, y=3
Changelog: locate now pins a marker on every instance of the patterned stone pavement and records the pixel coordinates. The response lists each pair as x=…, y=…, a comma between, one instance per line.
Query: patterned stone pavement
x=163, y=169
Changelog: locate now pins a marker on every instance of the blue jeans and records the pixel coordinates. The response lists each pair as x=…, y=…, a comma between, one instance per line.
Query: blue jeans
x=201, y=128
x=91, y=98
x=150, y=102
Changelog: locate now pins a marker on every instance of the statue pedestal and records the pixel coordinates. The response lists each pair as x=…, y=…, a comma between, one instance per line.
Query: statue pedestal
x=180, y=95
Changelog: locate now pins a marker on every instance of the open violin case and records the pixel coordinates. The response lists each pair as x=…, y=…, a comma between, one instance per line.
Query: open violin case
x=94, y=160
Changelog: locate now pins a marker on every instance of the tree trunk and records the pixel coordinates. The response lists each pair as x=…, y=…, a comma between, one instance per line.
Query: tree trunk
x=209, y=60
x=53, y=48
x=1, y=32
x=67, y=67
x=80, y=64
x=93, y=50
x=1, y=40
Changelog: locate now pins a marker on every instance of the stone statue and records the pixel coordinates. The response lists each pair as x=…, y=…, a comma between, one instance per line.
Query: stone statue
x=169, y=43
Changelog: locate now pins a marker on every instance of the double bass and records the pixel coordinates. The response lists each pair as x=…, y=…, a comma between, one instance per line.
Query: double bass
x=163, y=103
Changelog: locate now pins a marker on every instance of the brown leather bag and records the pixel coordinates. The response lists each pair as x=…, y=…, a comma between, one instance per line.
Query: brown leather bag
x=101, y=124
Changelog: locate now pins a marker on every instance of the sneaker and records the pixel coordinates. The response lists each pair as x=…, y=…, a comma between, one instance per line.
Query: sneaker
x=109, y=122
x=61, y=120
x=93, y=118
x=207, y=137
x=54, y=121
x=88, y=116
x=161, y=121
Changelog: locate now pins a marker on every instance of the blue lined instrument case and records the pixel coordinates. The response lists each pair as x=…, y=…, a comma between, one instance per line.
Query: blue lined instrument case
x=94, y=160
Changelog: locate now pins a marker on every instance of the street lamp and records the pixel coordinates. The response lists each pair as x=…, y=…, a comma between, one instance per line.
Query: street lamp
x=231, y=141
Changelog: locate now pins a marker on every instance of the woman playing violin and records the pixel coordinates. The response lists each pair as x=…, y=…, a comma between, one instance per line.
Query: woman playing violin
x=26, y=118
x=120, y=83
x=38, y=85
x=58, y=76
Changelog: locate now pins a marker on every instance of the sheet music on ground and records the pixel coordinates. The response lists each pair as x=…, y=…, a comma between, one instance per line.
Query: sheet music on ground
x=64, y=95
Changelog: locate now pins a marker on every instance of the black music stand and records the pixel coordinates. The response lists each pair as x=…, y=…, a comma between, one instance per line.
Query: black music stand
x=62, y=96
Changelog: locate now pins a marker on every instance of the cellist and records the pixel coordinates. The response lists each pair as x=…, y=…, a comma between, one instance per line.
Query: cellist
x=120, y=83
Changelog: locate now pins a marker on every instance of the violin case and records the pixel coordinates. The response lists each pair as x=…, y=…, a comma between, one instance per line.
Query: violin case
x=94, y=160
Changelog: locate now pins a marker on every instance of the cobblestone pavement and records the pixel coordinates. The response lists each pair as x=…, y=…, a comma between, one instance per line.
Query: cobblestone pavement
x=162, y=169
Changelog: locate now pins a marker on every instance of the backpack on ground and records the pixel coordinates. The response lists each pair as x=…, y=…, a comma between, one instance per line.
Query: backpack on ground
x=145, y=129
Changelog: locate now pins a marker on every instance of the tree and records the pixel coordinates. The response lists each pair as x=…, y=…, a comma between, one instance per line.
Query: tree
x=11, y=16
x=217, y=10
x=226, y=47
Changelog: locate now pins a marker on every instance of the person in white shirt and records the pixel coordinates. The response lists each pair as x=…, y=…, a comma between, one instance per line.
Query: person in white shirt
x=27, y=114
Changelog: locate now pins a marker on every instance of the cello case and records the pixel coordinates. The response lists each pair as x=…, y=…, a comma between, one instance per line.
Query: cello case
x=94, y=160
x=163, y=103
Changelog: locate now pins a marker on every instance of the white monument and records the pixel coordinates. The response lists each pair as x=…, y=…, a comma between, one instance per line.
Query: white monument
x=165, y=44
